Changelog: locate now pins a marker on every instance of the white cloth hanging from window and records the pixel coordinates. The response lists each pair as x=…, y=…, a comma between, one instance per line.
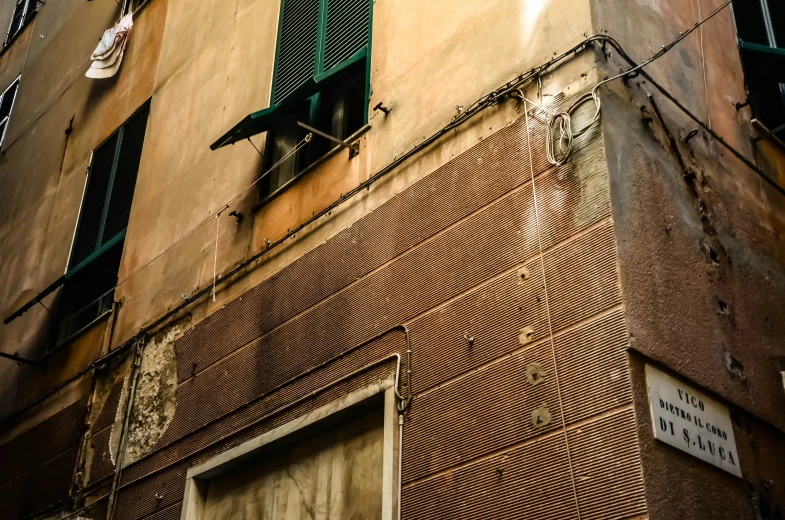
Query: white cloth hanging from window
x=109, y=53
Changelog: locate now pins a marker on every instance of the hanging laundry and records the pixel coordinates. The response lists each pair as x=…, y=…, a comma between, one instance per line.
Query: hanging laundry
x=109, y=53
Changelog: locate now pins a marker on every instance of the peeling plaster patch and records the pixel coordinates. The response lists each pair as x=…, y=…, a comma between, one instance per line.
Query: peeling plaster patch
x=155, y=399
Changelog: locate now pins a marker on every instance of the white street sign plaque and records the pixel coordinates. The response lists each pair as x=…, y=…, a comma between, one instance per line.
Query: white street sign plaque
x=689, y=420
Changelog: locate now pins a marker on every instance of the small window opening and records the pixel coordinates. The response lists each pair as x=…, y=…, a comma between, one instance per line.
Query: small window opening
x=6, y=105
x=88, y=292
x=23, y=13
x=339, y=110
x=760, y=28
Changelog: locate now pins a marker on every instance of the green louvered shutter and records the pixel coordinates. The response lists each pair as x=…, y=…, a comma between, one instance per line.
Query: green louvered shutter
x=348, y=28
x=296, y=59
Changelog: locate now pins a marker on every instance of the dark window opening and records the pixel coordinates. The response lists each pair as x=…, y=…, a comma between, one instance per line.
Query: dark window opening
x=760, y=27
x=321, y=79
x=339, y=110
x=23, y=12
x=6, y=105
x=100, y=233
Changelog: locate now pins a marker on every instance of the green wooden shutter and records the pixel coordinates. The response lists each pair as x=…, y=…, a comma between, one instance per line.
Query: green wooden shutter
x=92, y=214
x=348, y=28
x=124, y=181
x=296, y=53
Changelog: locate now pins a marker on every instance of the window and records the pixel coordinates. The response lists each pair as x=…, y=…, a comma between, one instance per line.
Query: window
x=23, y=12
x=321, y=74
x=333, y=463
x=100, y=232
x=6, y=105
x=760, y=27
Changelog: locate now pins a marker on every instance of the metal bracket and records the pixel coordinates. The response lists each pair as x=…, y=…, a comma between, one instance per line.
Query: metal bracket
x=767, y=134
x=20, y=359
x=354, y=149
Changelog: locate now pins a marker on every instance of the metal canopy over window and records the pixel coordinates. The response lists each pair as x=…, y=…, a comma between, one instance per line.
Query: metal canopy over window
x=317, y=39
x=266, y=119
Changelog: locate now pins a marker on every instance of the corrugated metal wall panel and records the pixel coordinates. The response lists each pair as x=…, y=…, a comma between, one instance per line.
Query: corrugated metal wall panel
x=101, y=465
x=493, y=314
x=582, y=277
x=593, y=367
x=534, y=483
x=481, y=413
x=41, y=487
x=42, y=442
x=607, y=464
x=108, y=411
x=140, y=500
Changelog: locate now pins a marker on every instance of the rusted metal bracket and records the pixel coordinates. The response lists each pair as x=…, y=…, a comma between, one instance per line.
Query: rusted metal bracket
x=354, y=149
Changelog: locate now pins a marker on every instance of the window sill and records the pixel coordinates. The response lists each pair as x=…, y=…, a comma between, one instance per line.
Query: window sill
x=77, y=334
x=316, y=164
x=764, y=134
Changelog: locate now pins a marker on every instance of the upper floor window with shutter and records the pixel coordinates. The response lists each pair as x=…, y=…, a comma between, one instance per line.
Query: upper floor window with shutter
x=760, y=27
x=322, y=67
x=23, y=12
x=100, y=232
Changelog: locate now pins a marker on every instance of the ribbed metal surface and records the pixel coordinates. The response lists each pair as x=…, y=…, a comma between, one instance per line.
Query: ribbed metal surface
x=593, y=367
x=141, y=500
x=493, y=314
x=42, y=442
x=41, y=487
x=348, y=29
x=606, y=461
x=481, y=413
x=534, y=483
x=490, y=409
x=465, y=184
x=108, y=413
x=171, y=512
x=582, y=277
x=296, y=56
x=101, y=465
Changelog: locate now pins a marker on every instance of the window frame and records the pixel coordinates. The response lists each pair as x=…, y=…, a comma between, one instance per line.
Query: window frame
x=315, y=101
x=745, y=46
x=7, y=119
x=26, y=17
x=198, y=477
x=119, y=132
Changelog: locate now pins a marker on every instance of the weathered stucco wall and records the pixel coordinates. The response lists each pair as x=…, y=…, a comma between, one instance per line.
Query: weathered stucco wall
x=701, y=252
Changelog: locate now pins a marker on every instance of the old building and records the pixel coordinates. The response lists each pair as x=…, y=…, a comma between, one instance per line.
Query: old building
x=378, y=259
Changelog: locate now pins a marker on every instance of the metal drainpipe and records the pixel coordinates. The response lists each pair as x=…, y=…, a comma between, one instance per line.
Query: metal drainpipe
x=400, y=463
x=124, y=430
